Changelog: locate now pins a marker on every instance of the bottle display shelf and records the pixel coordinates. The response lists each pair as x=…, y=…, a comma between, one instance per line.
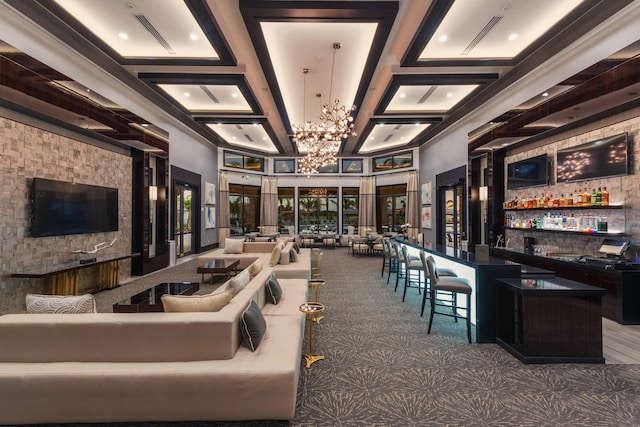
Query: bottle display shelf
x=555, y=208
x=575, y=232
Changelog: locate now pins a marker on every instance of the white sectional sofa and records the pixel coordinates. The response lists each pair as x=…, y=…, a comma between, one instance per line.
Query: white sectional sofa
x=285, y=269
x=127, y=367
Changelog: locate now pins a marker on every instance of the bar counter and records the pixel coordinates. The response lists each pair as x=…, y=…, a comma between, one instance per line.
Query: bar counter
x=481, y=275
x=550, y=320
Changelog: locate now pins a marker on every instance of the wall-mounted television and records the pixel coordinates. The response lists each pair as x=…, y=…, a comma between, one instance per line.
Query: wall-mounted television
x=61, y=208
x=596, y=159
x=528, y=173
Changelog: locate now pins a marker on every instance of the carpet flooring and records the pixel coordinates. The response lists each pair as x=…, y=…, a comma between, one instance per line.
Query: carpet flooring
x=383, y=369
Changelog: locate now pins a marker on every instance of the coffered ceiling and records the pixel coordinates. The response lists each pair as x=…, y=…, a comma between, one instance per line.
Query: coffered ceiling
x=231, y=70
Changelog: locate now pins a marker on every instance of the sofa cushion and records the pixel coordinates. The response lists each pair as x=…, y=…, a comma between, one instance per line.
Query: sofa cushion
x=275, y=256
x=193, y=303
x=60, y=304
x=253, y=326
x=233, y=246
x=274, y=290
x=293, y=256
x=237, y=283
x=255, y=268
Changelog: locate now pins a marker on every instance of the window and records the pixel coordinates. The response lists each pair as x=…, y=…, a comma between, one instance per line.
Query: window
x=351, y=165
x=318, y=209
x=284, y=165
x=240, y=161
x=391, y=202
x=328, y=168
x=244, y=208
x=397, y=161
x=350, y=202
x=286, y=209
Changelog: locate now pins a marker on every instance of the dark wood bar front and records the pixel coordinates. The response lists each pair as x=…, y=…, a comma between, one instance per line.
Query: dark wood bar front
x=550, y=320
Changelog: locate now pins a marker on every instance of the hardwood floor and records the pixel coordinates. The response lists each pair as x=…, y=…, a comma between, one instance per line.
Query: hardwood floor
x=620, y=343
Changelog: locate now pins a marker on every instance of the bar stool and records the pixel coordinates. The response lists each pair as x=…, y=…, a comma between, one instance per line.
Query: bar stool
x=455, y=285
x=411, y=264
x=389, y=258
x=442, y=272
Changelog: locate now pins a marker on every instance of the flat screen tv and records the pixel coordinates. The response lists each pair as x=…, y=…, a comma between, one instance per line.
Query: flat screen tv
x=596, y=159
x=528, y=173
x=61, y=208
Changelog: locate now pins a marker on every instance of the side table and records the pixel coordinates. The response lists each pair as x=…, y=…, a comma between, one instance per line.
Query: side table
x=315, y=284
x=311, y=309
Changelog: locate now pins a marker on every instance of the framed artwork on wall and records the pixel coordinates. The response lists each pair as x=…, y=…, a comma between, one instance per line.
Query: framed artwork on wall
x=210, y=217
x=209, y=193
x=425, y=193
x=426, y=217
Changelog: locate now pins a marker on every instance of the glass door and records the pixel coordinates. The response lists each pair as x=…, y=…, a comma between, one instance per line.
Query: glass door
x=453, y=216
x=184, y=219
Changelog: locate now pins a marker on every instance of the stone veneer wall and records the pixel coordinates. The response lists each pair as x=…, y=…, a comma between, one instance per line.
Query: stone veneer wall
x=622, y=189
x=26, y=152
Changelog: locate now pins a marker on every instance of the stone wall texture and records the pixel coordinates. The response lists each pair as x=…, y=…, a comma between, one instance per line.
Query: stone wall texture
x=27, y=151
x=624, y=190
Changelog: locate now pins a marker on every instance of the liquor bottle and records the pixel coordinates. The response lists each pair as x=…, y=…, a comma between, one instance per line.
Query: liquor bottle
x=585, y=198
x=605, y=197
x=577, y=199
x=570, y=200
x=593, y=197
x=599, y=197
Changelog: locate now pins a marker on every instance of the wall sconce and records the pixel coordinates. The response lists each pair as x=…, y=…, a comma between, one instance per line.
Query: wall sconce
x=153, y=193
x=484, y=193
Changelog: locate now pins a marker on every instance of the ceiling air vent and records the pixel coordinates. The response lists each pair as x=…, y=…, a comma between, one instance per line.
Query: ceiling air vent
x=246, y=135
x=482, y=34
x=388, y=138
x=427, y=94
x=398, y=127
x=155, y=33
x=210, y=94
x=238, y=127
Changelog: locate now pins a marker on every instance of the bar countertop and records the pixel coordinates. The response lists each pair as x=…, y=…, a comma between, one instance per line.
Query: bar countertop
x=550, y=286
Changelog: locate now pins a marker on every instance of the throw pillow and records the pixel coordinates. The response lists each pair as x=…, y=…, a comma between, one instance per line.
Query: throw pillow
x=274, y=290
x=296, y=247
x=275, y=256
x=293, y=256
x=255, y=268
x=253, y=326
x=60, y=304
x=192, y=303
x=233, y=246
x=237, y=283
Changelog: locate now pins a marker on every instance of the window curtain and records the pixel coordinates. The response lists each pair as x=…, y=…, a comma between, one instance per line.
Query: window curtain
x=223, y=209
x=367, y=207
x=269, y=205
x=412, y=214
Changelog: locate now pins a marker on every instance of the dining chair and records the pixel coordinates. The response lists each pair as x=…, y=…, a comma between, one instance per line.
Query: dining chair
x=359, y=246
x=453, y=286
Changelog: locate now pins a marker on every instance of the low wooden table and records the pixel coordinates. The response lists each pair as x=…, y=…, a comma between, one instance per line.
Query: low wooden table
x=219, y=266
x=150, y=300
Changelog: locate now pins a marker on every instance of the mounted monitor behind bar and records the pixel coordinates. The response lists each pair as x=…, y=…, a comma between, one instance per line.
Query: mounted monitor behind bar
x=596, y=159
x=528, y=173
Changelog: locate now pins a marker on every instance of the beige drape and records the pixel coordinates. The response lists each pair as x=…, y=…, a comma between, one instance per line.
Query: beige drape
x=269, y=205
x=223, y=209
x=367, y=206
x=412, y=214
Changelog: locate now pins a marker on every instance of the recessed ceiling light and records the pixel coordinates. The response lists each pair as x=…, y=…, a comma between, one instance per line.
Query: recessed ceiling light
x=545, y=94
x=234, y=95
x=264, y=138
x=234, y=138
x=443, y=38
x=504, y=144
x=403, y=95
x=449, y=94
x=187, y=94
x=255, y=124
x=123, y=36
x=401, y=138
x=372, y=138
x=512, y=37
x=145, y=125
x=194, y=37
x=416, y=124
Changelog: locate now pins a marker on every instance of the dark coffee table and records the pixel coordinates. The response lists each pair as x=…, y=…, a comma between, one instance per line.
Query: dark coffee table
x=219, y=266
x=149, y=299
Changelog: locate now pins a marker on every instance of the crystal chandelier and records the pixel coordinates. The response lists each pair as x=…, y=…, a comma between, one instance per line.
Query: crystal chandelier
x=321, y=141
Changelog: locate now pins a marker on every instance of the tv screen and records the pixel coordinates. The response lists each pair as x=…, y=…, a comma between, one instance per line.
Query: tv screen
x=528, y=173
x=595, y=159
x=60, y=208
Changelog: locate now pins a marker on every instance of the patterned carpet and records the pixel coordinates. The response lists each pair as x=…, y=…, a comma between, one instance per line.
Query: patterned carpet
x=382, y=369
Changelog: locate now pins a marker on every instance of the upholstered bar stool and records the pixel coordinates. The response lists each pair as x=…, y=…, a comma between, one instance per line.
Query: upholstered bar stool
x=442, y=272
x=411, y=265
x=455, y=285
